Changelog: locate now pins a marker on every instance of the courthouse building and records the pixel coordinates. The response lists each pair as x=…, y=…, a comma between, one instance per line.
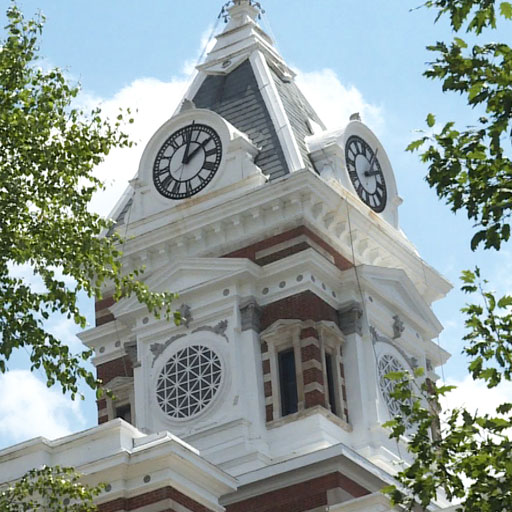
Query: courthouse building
x=298, y=292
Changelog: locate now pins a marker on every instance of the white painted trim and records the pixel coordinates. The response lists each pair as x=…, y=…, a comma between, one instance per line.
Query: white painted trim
x=375, y=502
x=277, y=112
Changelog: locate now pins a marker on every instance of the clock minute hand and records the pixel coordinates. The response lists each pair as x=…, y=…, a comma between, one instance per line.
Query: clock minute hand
x=372, y=161
x=201, y=146
x=186, y=158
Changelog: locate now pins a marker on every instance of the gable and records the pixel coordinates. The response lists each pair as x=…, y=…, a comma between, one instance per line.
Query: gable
x=187, y=275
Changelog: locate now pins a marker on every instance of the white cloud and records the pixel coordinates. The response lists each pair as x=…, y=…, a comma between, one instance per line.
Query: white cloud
x=29, y=409
x=65, y=329
x=475, y=396
x=152, y=102
x=334, y=102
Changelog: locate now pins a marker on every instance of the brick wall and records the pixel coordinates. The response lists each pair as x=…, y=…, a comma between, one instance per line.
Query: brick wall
x=299, y=497
x=302, y=306
x=159, y=495
x=120, y=367
x=102, y=311
x=251, y=251
x=312, y=374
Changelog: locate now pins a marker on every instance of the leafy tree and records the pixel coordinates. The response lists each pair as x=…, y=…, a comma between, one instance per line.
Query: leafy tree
x=56, y=489
x=471, y=168
x=48, y=150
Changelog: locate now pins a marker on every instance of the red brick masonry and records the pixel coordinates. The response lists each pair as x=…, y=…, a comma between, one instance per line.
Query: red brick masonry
x=303, y=306
x=299, y=497
x=251, y=250
x=149, y=498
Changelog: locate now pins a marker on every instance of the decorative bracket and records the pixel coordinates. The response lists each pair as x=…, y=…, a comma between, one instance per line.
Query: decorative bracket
x=350, y=318
x=250, y=315
x=130, y=347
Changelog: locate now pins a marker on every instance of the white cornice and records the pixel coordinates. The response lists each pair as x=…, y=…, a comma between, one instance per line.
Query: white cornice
x=294, y=470
x=219, y=223
x=121, y=455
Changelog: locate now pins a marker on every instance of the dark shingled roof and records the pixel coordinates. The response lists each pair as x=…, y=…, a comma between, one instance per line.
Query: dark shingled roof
x=299, y=111
x=236, y=97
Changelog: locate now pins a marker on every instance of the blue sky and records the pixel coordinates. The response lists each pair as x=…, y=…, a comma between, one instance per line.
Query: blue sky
x=365, y=56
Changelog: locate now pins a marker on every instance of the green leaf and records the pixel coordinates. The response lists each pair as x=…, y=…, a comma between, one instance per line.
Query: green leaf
x=431, y=120
x=506, y=10
x=460, y=42
x=414, y=145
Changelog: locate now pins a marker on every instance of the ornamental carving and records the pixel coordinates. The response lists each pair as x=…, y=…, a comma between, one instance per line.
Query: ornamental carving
x=389, y=364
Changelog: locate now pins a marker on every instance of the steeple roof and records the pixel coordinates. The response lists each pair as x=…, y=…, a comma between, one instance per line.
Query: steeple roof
x=246, y=81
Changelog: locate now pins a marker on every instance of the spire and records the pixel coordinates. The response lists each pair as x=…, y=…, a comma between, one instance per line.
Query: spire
x=239, y=12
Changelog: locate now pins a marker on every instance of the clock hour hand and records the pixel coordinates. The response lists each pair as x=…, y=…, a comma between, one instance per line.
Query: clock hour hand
x=201, y=146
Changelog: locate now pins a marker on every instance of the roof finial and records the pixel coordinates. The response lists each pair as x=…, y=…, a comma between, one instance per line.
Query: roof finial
x=241, y=8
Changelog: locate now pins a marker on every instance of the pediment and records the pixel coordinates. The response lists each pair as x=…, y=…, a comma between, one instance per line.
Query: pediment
x=396, y=289
x=190, y=274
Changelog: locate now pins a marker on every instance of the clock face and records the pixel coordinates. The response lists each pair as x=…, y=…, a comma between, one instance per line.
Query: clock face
x=187, y=161
x=365, y=172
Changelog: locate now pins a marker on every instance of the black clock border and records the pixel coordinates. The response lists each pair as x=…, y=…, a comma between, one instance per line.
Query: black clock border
x=382, y=205
x=168, y=142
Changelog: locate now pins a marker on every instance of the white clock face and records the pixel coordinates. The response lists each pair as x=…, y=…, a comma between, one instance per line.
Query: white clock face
x=187, y=162
x=366, y=173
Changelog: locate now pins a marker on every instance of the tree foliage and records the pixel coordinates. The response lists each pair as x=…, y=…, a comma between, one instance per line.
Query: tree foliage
x=50, y=488
x=48, y=150
x=471, y=168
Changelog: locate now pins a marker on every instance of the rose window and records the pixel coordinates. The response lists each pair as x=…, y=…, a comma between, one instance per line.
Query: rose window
x=189, y=382
x=389, y=364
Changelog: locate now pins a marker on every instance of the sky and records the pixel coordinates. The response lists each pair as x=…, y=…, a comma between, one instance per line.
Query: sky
x=350, y=56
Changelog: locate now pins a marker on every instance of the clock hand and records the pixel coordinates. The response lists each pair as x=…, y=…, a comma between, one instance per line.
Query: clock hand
x=185, y=158
x=201, y=146
x=371, y=173
x=372, y=161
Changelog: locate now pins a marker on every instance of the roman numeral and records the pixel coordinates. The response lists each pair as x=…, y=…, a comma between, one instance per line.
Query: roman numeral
x=209, y=166
x=176, y=187
x=188, y=187
x=162, y=170
x=211, y=152
x=166, y=181
x=174, y=144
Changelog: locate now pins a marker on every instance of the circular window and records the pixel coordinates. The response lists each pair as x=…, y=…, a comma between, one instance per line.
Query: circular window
x=389, y=364
x=189, y=382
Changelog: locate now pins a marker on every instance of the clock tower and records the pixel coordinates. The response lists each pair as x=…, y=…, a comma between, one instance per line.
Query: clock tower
x=297, y=290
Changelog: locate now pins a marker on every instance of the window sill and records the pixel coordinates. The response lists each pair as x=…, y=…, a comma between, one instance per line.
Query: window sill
x=317, y=409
